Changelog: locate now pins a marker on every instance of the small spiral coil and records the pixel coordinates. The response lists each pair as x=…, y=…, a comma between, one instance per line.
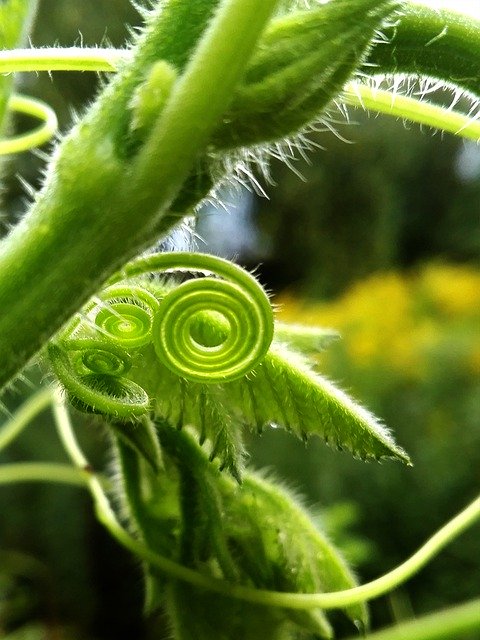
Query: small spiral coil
x=128, y=314
x=212, y=329
x=99, y=388
x=238, y=299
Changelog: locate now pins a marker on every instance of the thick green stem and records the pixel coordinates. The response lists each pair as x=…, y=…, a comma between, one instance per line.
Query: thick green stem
x=199, y=99
x=98, y=208
x=449, y=624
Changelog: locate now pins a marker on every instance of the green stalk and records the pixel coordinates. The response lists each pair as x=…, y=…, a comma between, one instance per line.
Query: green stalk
x=330, y=600
x=16, y=17
x=22, y=418
x=449, y=624
x=99, y=206
x=36, y=137
x=411, y=109
x=42, y=472
x=55, y=59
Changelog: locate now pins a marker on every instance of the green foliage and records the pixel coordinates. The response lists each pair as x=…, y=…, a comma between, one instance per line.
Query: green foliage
x=201, y=354
x=254, y=533
x=174, y=367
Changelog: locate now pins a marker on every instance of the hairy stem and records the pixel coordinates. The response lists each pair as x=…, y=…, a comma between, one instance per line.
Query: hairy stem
x=93, y=193
x=413, y=109
x=68, y=59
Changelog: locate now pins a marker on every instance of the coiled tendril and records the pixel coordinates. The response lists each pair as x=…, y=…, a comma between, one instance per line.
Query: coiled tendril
x=101, y=357
x=128, y=314
x=96, y=383
x=37, y=136
x=212, y=329
x=241, y=303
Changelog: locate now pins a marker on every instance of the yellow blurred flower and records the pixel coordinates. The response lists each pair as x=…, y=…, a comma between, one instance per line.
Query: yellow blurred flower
x=454, y=289
x=396, y=321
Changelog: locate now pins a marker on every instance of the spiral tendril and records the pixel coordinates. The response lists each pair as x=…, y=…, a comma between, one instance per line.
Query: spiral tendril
x=212, y=329
x=37, y=136
x=242, y=304
x=128, y=315
x=100, y=388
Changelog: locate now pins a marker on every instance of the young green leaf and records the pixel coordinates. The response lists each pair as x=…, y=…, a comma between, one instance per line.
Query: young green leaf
x=200, y=354
x=285, y=391
x=308, y=561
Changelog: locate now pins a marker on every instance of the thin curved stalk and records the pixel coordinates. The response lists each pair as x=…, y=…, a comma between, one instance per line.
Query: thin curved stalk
x=447, y=624
x=25, y=414
x=42, y=472
x=412, y=109
x=35, y=137
x=332, y=600
x=66, y=59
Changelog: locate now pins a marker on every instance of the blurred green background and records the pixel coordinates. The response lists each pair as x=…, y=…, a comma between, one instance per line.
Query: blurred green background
x=379, y=240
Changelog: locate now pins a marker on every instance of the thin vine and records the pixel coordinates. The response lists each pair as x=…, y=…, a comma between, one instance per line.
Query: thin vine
x=82, y=474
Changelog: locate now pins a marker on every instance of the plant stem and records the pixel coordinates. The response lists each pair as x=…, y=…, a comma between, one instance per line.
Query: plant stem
x=36, y=137
x=412, y=109
x=199, y=98
x=381, y=585
x=17, y=16
x=42, y=472
x=447, y=624
x=106, y=515
x=355, y=94
x=33, y=406
x=67, y=59
x=432, y=43
x=98, y=209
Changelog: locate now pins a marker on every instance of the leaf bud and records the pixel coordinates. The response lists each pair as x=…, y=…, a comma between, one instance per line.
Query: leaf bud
x=300, y=65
